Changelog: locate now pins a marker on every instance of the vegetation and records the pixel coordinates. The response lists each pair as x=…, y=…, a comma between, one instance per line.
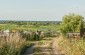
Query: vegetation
x=15, y=45
x=12, y=46
x=73, y=47
x=72, y=23
x=31, y=26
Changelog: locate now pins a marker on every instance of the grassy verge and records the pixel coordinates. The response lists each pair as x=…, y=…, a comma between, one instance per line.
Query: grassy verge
x=12, y=46
x=72, y=47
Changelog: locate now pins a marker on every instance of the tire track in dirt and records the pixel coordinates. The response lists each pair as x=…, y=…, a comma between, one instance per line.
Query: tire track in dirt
x=49, y=47
x=54, y=46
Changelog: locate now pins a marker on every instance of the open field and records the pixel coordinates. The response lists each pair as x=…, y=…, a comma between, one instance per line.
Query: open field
x=31, y=25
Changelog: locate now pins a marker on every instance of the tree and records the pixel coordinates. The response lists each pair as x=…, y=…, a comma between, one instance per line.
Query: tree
x=72, y=23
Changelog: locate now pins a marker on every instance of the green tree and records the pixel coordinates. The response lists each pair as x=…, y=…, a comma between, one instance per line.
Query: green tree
x=72, y=23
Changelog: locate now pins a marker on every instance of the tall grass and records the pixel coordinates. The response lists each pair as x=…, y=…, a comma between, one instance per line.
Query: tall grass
x=12, y=45
x=76, y=47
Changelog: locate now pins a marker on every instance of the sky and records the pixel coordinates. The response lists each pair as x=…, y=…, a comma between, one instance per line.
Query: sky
x=40, y=10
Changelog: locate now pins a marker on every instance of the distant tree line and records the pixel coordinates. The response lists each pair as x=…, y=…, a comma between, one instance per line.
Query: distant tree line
x=31, y=22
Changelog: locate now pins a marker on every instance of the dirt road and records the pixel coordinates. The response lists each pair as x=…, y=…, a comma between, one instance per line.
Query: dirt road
x=49, y=47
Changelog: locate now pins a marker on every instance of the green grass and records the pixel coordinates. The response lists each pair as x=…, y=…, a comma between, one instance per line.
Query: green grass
x=29, y=27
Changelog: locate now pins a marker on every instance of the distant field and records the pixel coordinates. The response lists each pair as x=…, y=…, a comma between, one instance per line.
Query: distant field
x=32, y=26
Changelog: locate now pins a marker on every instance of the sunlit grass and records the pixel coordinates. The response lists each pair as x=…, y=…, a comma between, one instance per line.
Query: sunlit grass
x=72, y=47
x=12, y=46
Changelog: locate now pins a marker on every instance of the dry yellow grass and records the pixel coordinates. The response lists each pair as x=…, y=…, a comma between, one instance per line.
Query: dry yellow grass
x=73, y=47
x=11, y=45
x=56, y=41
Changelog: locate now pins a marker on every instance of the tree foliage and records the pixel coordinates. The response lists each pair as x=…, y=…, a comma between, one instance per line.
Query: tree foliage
x=72, y=23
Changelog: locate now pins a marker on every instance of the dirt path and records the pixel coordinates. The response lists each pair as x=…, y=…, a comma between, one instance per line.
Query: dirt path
x=48, y=47
x=54, y=48
x=43, y=48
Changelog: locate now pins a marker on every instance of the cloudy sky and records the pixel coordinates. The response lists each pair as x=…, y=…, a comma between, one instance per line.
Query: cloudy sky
x=40, y=10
